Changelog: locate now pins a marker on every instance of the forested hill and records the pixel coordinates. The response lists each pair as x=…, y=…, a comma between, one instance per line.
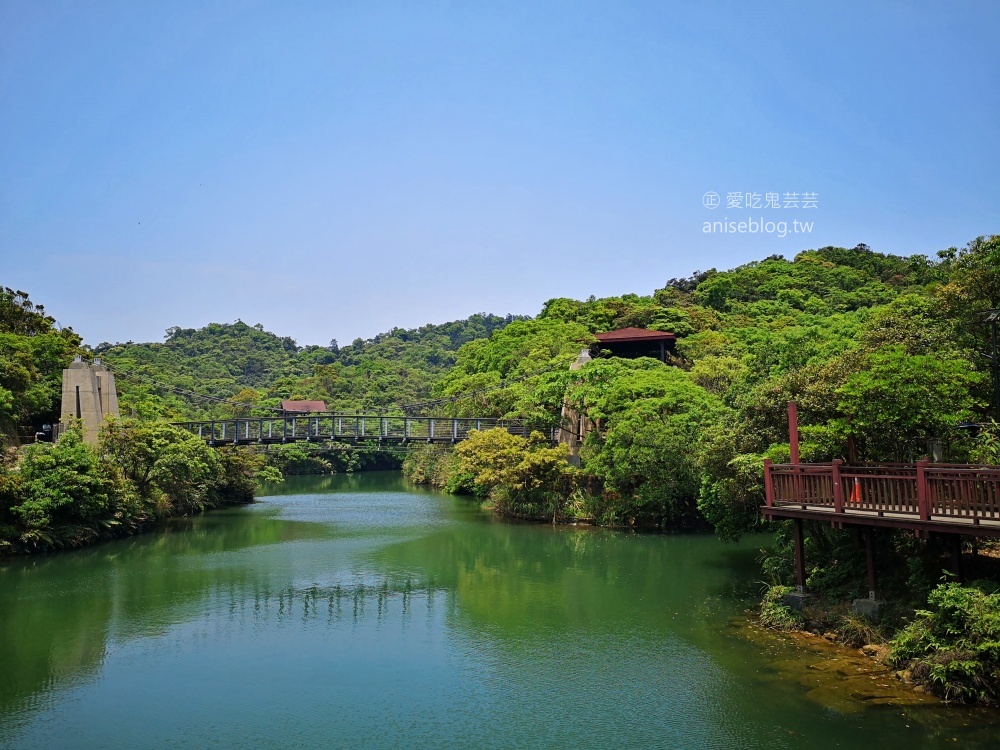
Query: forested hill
x=258, y=368
x=827, y=327
x=882, y=349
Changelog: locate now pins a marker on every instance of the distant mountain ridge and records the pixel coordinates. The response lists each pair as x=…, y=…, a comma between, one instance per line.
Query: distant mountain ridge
x=237, y=360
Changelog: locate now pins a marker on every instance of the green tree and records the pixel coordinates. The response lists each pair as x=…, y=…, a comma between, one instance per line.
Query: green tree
x=898, y=401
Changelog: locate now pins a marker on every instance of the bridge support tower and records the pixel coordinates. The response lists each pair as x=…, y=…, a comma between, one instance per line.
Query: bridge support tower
x=88, y=394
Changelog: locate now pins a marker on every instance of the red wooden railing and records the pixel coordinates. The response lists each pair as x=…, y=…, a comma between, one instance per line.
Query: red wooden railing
x=923, y=491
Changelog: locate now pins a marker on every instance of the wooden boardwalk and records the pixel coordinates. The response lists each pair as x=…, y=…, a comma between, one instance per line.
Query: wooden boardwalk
x=924, y=497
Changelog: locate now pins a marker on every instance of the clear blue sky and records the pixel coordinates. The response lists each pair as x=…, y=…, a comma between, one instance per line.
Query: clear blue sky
x=332, y=169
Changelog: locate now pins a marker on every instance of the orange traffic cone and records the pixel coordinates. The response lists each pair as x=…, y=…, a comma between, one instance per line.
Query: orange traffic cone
x=856, y=491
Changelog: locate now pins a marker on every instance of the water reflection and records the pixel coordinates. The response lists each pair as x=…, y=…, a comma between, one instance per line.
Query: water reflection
x=385, y=617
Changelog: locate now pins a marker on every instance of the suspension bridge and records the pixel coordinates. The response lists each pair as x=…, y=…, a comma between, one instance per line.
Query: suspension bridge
x=351, y=429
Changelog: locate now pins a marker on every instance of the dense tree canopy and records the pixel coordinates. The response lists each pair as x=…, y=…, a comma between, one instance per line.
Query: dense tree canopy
x=33, y=353
x=256, y=369
x=877, y=348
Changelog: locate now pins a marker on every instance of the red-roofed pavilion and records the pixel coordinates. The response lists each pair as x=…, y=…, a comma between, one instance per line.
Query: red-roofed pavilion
x=637, y=342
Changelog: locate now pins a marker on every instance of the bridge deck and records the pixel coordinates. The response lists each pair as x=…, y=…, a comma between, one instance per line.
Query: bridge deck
x=348, y=428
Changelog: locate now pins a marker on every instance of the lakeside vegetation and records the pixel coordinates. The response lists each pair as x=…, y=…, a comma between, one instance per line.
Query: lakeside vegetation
x=882, y=353
x=69, y=493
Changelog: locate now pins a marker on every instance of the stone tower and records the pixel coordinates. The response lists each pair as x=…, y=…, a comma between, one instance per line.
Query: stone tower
x=574, y=426
x=88, y=394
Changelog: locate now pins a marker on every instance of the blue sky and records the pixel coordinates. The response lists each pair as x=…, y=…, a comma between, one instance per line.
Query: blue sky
x=333, y=169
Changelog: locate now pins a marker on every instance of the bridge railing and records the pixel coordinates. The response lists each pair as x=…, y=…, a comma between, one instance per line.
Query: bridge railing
x=346, y=428
x=922, y=490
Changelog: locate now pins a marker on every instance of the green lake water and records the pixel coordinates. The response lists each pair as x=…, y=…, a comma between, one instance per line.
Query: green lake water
x=358, y=612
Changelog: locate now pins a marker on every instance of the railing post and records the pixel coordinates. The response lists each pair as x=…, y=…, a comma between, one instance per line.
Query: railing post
x=406, y=428
x=923, y=491
x=768, y=483
x=454, y=430
x=200, y=428
x=362, y=420
x=430, y=430
x=284, y=430
x=212, y=439
x=793, y=431
x=838, y=488
x=223, y=429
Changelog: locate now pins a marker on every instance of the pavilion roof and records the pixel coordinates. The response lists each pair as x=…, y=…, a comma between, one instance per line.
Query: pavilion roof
x=303, y=406
x=634, y=334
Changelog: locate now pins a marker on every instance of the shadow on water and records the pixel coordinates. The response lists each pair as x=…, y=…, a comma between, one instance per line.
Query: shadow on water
x=365, y=481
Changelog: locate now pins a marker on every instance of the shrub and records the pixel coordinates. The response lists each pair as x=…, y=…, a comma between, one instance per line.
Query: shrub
x=775, y=614
x=954, y=646
x=167, y=465
x=61, y=495
x=293, y=458
x=857, y=630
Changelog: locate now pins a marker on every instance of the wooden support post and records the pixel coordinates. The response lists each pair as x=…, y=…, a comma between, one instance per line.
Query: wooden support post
x=870, y=560
x=800, y=557
x=956, y=557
